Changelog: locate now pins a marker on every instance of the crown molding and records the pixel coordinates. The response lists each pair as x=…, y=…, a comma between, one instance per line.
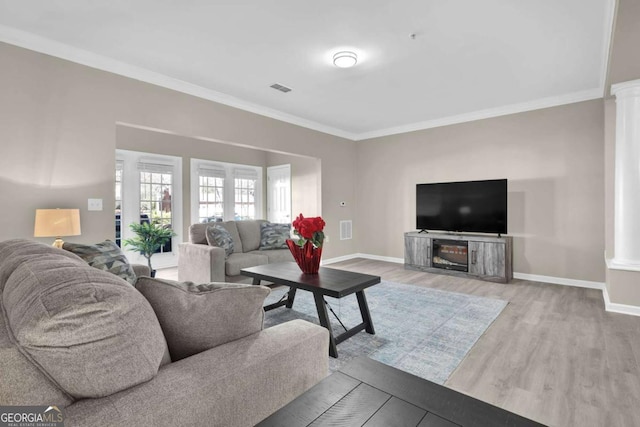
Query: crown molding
x=609, y=18
x=538, y=104
x=80, y=56
x=632, y=88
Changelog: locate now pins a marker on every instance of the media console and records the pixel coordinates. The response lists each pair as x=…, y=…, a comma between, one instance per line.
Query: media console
x=482, y=257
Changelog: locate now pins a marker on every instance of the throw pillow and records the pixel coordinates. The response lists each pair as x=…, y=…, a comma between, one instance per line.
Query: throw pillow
x=218, y=236
x=195, y=318
x=105, y=256
x=274, y=236
x=91, y=332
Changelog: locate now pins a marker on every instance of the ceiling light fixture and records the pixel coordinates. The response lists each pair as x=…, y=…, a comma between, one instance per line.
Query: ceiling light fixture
x=345, y=59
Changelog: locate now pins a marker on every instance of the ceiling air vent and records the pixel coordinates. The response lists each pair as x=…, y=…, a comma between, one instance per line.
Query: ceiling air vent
x=345, y=230
x=281, y=88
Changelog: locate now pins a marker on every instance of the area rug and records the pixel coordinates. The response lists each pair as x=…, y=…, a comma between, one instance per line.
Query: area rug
x=424, y=331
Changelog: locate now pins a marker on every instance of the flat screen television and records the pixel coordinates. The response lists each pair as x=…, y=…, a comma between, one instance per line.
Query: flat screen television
x=469, y=206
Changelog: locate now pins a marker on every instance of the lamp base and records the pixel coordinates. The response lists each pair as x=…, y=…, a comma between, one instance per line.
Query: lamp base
x=58, y=243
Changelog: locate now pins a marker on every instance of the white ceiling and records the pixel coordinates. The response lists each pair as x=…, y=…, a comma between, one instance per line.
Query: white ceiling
x=470, y=59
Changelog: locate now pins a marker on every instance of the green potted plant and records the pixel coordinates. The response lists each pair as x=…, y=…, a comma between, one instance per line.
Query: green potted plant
x=150, y=236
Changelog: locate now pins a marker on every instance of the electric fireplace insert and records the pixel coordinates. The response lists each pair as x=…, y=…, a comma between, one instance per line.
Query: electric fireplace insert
x=450, y=255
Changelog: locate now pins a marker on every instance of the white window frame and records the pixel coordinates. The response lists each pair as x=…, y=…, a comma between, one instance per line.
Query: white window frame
x=118, y=197
x=230, y=170
x=131, y=203
x=208, y=171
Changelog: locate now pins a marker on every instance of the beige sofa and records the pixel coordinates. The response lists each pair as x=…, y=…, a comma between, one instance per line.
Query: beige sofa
x=161, y=353
x=201, y=263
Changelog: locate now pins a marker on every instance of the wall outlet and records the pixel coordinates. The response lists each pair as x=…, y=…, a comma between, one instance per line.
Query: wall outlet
x=95, y=205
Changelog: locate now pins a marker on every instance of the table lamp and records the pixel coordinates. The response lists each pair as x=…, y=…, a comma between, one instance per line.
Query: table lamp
x=57, y=223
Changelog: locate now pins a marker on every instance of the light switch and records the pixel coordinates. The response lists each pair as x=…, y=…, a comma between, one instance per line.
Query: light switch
x=95, y=204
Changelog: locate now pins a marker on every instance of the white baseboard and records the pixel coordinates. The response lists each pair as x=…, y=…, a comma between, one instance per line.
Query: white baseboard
x=560, y=281
x=366, y=256
x=609, y=306
x=619, y=308
x=338, y=259
x=523, y=276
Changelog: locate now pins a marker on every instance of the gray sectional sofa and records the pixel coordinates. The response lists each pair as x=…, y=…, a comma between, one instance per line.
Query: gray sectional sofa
x=161, y=353
x=200, y=263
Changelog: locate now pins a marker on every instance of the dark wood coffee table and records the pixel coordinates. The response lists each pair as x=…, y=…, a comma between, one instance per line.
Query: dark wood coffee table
x=328, y=282
x=369, y=393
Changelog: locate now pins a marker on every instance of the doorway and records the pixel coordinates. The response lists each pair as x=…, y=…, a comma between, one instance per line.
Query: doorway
x=279, y=194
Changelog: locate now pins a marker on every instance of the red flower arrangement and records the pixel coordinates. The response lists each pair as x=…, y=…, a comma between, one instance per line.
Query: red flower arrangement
x=309, y=230
x=307, y=250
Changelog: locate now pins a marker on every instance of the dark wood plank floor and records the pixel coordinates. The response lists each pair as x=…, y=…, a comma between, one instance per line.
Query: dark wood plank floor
x=554, y=354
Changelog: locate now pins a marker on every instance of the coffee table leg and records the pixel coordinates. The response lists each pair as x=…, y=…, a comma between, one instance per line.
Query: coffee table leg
x=291, y=296
x=255, y=281
x=364, y=311
x=323, y=316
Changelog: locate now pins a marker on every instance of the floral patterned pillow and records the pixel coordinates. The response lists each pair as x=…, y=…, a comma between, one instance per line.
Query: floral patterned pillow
x=274, y=236
x=218, y=236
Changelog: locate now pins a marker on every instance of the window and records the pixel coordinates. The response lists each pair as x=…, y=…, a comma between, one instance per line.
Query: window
x=224, y=191
x=118, y=207
x=210, y=194
x=245, y=181
x=155, y=196
x=148, y=188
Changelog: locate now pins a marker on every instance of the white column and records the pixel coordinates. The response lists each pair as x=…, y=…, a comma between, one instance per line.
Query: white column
x=627, y=176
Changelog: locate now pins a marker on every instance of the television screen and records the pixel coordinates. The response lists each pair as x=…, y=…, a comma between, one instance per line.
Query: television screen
x=471, y=206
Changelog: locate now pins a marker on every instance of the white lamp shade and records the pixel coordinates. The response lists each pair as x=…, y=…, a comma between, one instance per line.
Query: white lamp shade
x=57, y=223
x=345, y=59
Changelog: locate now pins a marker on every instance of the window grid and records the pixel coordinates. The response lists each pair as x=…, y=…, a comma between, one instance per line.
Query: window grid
x=118, y=205
x=155, y=200
x=211, y=199
x=245, y=207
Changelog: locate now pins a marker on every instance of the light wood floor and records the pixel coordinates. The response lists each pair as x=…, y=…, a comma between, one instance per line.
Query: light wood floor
x=554, y=354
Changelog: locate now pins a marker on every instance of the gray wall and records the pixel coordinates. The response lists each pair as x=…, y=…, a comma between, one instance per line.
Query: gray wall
x=625, y=61
x=306, y=186
x=58, y=123
x=134, y=139
x=58, y=133
x=553, y=159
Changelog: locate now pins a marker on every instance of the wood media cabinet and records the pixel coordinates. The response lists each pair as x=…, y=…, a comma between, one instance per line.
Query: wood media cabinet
x=467, y=255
